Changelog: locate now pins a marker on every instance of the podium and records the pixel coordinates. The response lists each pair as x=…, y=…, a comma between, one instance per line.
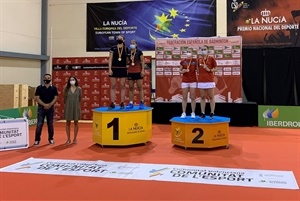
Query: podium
x=121, y=127
x=200, y=133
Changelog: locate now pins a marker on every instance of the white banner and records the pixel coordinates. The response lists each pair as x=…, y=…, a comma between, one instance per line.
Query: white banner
x=158, y=172
x=14, y=134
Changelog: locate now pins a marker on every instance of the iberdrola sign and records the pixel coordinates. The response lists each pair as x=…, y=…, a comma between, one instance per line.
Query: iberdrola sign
x=278, y=116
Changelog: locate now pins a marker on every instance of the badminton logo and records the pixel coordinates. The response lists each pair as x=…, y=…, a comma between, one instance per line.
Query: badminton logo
x=271, y=113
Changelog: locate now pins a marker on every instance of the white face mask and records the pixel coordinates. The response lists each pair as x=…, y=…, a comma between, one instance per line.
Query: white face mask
x=204, y=52
x=188, y=54
x=72, y=82
x=132, y=46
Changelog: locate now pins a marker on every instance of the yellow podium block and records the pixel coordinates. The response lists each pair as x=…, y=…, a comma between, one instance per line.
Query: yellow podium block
x=200, y=133
x=121, y=127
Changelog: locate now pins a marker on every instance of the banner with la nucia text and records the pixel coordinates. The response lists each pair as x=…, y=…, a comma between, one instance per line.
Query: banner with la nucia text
x=157, y=172
x=228, y=54
x=145, y=21
x=264, y=23
x=14, y=134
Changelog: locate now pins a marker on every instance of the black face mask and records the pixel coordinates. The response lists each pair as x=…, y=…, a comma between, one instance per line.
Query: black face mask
x=120, y=41
x=47, y=81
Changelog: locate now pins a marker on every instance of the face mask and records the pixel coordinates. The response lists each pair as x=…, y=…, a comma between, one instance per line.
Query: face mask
x=72, y=82
x=132, y=46
x=188, y=54
x=204, y=52
x=120, y=41
x=47, y=81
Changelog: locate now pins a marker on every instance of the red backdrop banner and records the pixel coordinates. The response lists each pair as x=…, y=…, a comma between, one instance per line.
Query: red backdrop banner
x=92, y=75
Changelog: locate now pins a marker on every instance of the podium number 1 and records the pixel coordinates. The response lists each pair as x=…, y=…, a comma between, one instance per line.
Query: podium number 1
x=200, y=132
x=115, y=124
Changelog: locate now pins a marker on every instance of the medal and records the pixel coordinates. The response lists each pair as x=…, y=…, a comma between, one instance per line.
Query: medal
x=120, y=51
x=188, y=67
x=132, y=57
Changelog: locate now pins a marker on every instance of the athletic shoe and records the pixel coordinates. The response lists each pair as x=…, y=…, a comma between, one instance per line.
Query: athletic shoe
x=202, y=115
x=36, y=143
x=141, y=106
x=112, y=106
x=51, y=142
x=183, y=115
x=129, y=106
x=211, y=115
x=193, y=116
x=122, y=106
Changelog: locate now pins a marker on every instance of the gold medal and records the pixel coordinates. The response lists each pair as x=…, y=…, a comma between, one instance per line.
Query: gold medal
x=120, y=51
x=132, y=64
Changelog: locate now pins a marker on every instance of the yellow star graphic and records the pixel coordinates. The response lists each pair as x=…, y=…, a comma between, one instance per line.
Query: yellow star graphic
x=173, y=12
x=163, y=18
x=175, y=35
x=182, y=30
x=186, y=25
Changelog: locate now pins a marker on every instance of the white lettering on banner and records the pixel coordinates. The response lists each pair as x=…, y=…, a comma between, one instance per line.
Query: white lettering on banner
x=244, y=28
x=115, y=23
x=291, y=124
x=157, y=172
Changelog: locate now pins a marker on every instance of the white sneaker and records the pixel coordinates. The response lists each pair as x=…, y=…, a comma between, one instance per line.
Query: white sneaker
x=193, y=116
x=183, y=115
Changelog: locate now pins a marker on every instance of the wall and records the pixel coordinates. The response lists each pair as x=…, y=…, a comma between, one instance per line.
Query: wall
x=20, y=31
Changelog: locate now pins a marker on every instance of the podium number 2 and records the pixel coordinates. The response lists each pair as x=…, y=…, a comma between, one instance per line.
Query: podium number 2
x=200, y=132
x=115, y=124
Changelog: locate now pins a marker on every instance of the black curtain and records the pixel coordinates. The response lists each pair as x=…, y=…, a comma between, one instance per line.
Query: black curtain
x=279, y=76
x=253, y=75
x=296, y=65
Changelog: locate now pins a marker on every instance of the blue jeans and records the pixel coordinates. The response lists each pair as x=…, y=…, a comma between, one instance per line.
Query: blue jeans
x=41, y=114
